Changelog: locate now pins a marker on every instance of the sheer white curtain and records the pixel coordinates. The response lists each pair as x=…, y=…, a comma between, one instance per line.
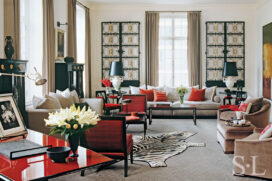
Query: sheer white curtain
x=80, y=27
x=31, y=38
x=173, y=69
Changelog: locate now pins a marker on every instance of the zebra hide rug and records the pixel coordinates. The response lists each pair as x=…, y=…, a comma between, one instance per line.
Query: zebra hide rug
x=155, y=150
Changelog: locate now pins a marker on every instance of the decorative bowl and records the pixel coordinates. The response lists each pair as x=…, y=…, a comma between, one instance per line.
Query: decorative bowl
x=58, y=154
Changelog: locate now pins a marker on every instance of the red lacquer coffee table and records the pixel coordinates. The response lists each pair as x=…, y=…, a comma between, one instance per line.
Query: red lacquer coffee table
x=42, y=168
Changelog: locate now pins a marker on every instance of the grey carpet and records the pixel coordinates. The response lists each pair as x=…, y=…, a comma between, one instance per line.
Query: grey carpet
x=202, y=164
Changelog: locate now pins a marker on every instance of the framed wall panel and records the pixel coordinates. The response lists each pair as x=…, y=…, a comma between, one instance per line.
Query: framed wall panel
x=121, y=42
x=225, y=42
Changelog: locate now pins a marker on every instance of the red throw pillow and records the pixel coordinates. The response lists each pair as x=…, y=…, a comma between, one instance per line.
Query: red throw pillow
x=266, y=133
x=243, y=107
x=149, y=93
x=159, y=96
x=197, y=94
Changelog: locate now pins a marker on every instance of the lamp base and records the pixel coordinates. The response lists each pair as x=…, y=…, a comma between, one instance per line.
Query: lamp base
x=116, y=82
x=230, y=81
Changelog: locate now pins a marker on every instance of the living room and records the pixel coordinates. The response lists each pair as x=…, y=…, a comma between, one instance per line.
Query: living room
x=87, y=35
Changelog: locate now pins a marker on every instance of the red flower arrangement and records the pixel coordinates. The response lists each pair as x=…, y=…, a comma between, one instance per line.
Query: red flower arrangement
x=106, y=82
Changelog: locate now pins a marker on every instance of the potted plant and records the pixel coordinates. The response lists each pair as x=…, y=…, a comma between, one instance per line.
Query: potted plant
x=181, y=92
x=72, y=122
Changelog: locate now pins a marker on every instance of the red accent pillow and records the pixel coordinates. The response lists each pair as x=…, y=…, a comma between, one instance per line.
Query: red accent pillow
x=149, y=93
x=159, y=96
x=243, y=107
x=132, y=118
x=197, y=95
x=266, y=133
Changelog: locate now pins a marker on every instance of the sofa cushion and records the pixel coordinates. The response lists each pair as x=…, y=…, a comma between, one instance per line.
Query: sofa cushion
x=64, y=101
x=266, y=133
x=197, y=95
x=171, y=94
x=148, y=93
x=210, y=92
x=201, y=104
x=257, y=103
x=187, y=95
x=46, y=102
x=68, y=93
x=159, y=96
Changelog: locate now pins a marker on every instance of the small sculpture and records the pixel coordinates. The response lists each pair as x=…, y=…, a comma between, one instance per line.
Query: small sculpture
x=9, y=50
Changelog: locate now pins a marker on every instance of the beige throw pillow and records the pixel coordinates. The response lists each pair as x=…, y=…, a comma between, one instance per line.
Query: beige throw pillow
x=46, y=102
x=64, y=101
x=210, y=92
x=171, y=94
x=68, y=93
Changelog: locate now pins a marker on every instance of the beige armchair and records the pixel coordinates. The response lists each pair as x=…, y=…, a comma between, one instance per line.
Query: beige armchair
x=259, y=119
x=226, y=135
x=252, y=156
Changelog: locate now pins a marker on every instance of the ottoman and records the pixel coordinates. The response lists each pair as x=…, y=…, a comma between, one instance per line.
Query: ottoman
x=226, y=135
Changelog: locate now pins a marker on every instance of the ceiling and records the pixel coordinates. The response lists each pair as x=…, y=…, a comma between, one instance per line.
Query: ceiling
x=178, y=1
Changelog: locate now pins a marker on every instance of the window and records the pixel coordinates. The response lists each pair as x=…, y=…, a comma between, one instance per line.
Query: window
x=80, y=28
x=31, y=37
x=173, y=69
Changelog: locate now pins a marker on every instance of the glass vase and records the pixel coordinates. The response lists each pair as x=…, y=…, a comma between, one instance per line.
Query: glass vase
x=181, y=99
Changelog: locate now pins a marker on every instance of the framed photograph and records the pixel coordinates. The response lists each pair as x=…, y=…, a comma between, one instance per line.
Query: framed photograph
x=60, y=41
x=11, y=121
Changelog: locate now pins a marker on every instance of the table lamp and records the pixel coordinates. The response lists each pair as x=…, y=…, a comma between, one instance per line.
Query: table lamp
x=230, y=74
x=116, y=74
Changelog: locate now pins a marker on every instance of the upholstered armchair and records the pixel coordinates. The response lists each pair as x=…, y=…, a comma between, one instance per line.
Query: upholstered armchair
x=109, y=138
x=259, y=119
x=253, y=156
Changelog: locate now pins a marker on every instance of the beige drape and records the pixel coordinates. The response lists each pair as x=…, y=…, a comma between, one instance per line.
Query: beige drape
x=72, y=48
x=87, y=71
x=48, y=45
x=12, y=24
x=194, y=49
x=151, y=48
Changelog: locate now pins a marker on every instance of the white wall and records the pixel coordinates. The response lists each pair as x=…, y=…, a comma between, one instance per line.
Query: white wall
x=1, y=28
x=131, y=12
x=263, y=16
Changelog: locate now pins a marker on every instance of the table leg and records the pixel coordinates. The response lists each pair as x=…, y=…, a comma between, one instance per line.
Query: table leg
x=195, y=116
x=150, y=116
x=82, y=173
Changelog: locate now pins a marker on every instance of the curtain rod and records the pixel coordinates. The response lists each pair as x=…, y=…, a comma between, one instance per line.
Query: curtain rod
x=82, y=4
x=173, y=11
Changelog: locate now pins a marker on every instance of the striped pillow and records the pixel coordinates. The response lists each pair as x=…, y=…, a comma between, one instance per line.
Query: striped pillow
x=159, y=96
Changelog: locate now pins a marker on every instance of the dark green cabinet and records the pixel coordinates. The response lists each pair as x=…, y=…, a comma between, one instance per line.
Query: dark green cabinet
x=69, y=75
x=225, y=42
x=121, y=42
x=12, y=84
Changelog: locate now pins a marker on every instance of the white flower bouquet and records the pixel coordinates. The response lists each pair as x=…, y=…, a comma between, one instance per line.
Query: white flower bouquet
x=181, y=91
x=71, y=121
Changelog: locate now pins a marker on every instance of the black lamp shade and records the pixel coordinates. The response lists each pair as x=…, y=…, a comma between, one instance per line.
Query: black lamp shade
x=116, y=69
x=230, y=69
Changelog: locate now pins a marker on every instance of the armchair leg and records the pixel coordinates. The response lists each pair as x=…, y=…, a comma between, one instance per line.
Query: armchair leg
x=126, y=167
x=145, y=127
x=131, y=156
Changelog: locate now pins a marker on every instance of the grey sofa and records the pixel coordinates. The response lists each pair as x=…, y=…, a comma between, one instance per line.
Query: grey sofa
x=36, y=116
x=205, y=108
